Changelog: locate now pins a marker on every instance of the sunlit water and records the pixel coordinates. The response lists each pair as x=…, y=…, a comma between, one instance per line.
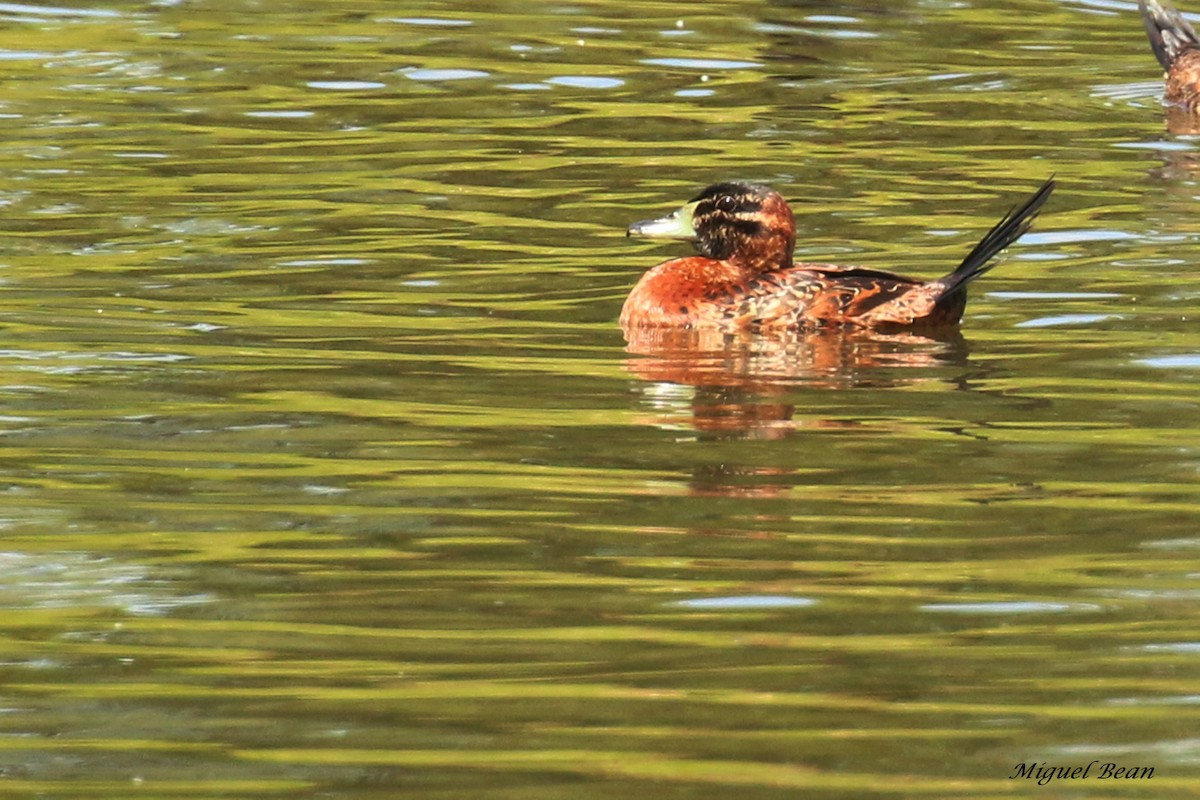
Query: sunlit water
x=328, y=473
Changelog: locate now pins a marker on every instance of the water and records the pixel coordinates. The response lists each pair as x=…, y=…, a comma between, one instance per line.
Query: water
x=328, y=473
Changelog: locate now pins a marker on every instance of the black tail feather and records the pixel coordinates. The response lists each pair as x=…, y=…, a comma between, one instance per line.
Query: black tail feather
x=1014, y=225
x=1170, y=34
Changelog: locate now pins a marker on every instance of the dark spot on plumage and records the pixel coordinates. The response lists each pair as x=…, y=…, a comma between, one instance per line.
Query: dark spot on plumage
x=722, y=235
x=683, y=310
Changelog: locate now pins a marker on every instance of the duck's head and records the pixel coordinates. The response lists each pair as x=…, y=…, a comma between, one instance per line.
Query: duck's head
x=746, y=224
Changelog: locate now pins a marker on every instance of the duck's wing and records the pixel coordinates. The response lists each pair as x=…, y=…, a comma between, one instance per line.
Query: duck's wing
x=810, y=295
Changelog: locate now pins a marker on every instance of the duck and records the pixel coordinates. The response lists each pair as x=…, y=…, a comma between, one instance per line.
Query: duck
x=744, y=276
x=1177, y=48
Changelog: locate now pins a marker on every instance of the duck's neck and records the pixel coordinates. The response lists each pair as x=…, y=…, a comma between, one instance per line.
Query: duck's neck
x=757, y=262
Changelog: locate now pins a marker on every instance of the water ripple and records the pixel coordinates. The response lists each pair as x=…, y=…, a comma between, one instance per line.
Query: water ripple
x=702, y=63
x=746, y=602
x=443, y=74
x=586, y=82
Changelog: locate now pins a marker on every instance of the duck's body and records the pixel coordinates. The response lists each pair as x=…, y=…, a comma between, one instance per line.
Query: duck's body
x=700, y=292
x=1177, y=47
x=745, y=277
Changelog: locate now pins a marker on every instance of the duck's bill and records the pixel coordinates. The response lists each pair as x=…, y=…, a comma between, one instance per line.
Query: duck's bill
x=673, y=226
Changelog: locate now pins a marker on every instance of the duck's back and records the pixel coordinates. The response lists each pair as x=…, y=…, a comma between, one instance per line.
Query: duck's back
x=687, y=293
x=824, y=294
x=1183, y=80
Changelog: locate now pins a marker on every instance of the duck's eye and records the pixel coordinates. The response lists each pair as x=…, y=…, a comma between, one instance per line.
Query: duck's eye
x=727, y=203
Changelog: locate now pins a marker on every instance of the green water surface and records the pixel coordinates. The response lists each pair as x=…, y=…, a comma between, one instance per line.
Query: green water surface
x=327, y=472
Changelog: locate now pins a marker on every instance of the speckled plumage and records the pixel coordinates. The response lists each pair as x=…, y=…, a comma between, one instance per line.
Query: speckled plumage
x=744, y=277
x=1177, y=48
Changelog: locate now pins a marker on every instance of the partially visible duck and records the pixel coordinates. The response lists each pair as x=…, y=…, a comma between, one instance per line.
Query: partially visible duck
x=744, y=276
x=1177, y=48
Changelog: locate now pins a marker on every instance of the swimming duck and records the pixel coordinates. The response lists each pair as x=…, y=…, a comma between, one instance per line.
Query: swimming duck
x=744, y=276
x=1177, y=48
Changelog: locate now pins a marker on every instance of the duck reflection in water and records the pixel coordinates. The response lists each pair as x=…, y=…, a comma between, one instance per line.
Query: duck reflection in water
x=824, y=358
x=739, y=381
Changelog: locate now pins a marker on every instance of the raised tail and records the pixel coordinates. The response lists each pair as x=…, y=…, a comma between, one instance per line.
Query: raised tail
x=1014, y=225
x=941, y=302
x=1170, y=34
